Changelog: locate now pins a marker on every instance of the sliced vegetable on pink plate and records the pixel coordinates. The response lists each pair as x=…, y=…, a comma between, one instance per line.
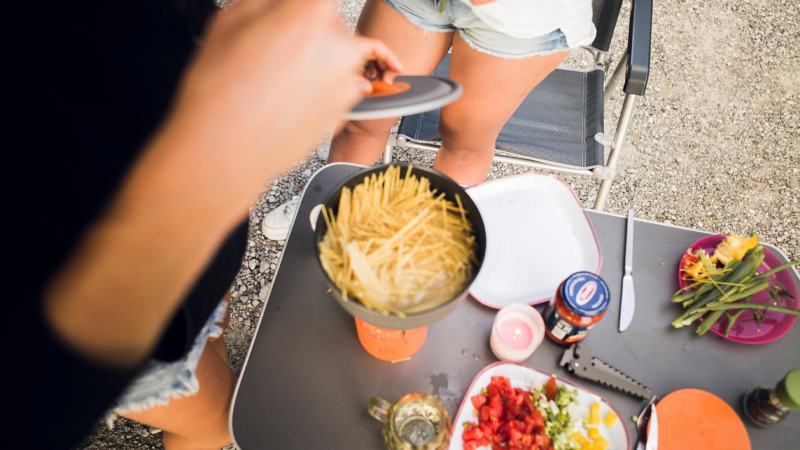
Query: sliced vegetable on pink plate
x=745, y=330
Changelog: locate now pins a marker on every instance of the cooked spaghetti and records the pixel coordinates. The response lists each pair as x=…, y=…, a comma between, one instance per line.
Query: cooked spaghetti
x=397, y=245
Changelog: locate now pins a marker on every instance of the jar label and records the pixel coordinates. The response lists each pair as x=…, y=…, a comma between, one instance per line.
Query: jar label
x=560, y=328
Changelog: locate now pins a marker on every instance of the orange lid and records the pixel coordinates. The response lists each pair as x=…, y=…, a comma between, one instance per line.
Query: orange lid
x=691, y=418
x=390, y=345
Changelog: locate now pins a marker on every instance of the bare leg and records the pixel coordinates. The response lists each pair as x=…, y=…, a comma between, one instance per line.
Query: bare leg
x=362, y=142
x=493, y=89
x=198, y=422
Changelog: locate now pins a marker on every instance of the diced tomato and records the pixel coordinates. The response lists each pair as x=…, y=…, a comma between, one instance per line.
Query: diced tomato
x=526, y=440
x=550, y=389
x=484, y=441
x=542, y=440
x=528, y=426
x=538, y=419
x=527, y=403
x=472, y=434
x=483, y=416
x=470, y=445
x=492, y=390
x=494, y=401
x=497, y=446
x=514, y=436
x=478, y=401
x=487, y=429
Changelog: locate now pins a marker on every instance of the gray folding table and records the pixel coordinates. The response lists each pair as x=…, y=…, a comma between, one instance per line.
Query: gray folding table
x=307, y=380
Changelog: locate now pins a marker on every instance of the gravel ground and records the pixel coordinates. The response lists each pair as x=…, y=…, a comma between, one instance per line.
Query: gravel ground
x=714, y=145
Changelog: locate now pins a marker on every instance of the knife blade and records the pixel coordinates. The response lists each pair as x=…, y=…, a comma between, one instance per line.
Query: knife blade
x=652, y=431
x=627, y=302
x=642, y=421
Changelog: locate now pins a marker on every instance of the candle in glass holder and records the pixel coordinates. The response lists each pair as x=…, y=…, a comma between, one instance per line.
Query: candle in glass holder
x=517, y=331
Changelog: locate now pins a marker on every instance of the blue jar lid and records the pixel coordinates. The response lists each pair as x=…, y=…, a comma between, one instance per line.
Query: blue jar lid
x=585, y=293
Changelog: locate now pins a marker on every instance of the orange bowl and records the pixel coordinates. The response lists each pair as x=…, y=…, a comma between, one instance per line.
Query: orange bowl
x=390, y=345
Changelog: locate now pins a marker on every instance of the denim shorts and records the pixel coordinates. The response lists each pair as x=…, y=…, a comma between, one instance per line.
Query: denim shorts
x=158, y=381
x=425, y=14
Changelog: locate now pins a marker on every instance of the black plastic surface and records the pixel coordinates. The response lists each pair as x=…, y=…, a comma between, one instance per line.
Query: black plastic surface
x=639, y=47
x=307, y=380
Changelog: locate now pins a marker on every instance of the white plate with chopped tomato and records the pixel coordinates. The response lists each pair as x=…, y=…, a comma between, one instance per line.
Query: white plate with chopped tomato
x=516, y=413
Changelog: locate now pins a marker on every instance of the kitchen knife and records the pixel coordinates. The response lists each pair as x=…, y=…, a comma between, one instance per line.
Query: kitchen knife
x=652, y=431
x=627, y=302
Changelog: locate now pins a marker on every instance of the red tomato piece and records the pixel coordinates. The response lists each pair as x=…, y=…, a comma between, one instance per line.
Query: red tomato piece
x=537, y=418
x=470, y=445
x=483, y=416
x=472, y=434
x=478, y=401
x=542, y=440
x=492, y=390
x=550, y=389
x=528, y=403
x=484, y=441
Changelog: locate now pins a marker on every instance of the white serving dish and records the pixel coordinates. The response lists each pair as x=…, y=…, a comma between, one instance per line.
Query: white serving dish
x=523, y=376
x=537, y=234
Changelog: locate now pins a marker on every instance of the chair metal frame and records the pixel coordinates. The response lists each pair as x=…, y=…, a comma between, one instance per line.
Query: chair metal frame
x=634, y=66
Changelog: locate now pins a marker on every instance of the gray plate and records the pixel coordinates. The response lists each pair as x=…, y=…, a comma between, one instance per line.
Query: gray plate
x=426, y=93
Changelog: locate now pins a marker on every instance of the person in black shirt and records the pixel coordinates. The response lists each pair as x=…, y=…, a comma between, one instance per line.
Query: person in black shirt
x=131, y=159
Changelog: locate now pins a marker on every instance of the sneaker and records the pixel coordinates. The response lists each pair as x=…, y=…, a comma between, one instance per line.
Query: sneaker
x=277, y=222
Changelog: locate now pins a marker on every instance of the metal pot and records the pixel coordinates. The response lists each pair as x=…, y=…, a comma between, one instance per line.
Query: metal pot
x=441, y=183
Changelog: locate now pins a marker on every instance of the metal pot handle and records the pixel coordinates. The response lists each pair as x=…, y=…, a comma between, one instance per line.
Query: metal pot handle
x=314, y=215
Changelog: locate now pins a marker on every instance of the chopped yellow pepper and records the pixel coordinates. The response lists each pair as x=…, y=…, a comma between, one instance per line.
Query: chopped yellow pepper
x=610, y=419
x=594, y=433
x=582, y=441
x=594, y=414
x=733, y=247
x=601, y=443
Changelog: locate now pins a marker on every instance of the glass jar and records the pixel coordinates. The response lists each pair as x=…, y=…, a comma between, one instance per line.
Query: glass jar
x=580, y=302
x=766, y=406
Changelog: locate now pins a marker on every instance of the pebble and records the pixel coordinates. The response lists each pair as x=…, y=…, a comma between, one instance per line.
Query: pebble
x=253, y=263
x=631, y=171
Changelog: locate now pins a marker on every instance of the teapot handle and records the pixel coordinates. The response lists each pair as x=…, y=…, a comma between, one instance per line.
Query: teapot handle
x=378, y=408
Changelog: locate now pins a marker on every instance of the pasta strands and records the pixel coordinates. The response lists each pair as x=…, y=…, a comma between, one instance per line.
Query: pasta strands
x=396, y=245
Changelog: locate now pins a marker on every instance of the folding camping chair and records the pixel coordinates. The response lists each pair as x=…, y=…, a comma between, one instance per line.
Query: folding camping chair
x=559, y=125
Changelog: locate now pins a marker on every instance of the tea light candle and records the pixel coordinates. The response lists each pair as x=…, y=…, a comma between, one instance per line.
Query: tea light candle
x=517, y=331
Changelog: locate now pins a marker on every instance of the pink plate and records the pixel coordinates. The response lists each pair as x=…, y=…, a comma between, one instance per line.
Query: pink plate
x=775, y=324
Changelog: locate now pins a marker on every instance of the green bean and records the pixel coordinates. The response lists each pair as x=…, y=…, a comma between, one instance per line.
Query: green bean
x=735, y=276
x=731, y=320
x=776, y=308
x=708, y=321
x=778, y=269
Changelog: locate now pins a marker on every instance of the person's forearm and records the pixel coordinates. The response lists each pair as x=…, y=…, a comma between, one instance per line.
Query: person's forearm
x=271, y=77
x=112, y=299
